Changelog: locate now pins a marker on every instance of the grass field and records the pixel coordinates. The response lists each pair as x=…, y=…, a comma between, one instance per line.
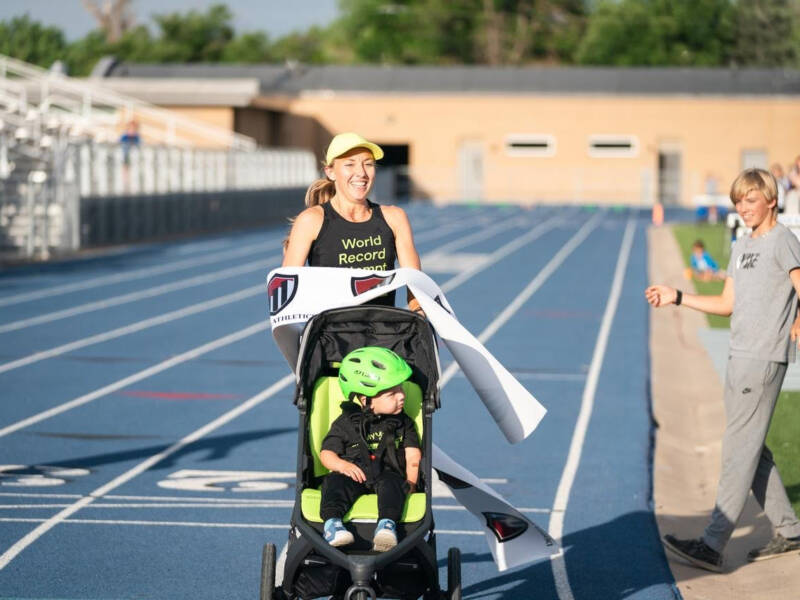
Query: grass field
x=784, y=441
x=784, y=433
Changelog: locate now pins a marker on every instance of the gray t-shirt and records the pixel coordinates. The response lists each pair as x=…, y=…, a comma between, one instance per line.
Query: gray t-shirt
x=765, y=302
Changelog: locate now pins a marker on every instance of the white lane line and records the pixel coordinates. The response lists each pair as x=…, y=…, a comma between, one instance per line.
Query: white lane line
x=145, y=373
x=493, y=258
x=221, y=504
x=538, y=376
x=479, y=235
x=529, y=290
x=150, y=523
x=60, y=517
x=203, y=524
x=556, y=526
x=102, y=505
x=134, y=327
x=439, y=231
x=139, y=295
x=197, y=247
x=28, y=495
x=138, y=273
x=244, y=501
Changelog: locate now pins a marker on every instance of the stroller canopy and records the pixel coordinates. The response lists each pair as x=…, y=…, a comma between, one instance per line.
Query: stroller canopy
x=331, y=334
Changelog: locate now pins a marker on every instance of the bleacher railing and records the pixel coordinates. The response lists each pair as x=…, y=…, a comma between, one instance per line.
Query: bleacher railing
x=91, y=109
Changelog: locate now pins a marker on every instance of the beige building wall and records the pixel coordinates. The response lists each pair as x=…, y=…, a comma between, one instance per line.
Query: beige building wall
x=452, y=138
x=218, y=116
x=459, y=143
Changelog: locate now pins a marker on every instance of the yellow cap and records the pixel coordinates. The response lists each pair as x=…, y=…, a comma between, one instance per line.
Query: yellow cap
x=344, y=142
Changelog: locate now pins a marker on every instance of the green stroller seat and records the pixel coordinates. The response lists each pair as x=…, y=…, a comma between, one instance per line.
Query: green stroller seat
x=325, y=408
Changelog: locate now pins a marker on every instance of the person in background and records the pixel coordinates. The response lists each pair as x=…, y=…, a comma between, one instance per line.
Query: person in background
x=761, y=293
x=703, y=266
x=793, y=193
x=783, y=184
x=129, y=139
x=710, y=212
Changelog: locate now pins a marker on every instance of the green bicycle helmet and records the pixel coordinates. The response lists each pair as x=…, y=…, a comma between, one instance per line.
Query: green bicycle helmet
x=370, y=370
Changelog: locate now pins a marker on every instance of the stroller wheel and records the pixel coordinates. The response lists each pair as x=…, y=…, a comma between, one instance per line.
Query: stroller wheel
x=359, y=592
x=454, y=574
x=268, y=572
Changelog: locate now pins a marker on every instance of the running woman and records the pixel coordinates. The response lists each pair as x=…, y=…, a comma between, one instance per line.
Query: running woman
x=342, y=228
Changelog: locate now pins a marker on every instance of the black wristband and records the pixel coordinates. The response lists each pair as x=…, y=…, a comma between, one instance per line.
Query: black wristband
x=678, y=297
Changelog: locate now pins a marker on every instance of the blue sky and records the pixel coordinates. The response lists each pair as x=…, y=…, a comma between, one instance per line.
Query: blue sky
x=275, y=17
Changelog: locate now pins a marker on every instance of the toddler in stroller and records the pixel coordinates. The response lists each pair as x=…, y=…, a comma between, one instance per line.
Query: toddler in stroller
x=371, y=447
x=373, y=560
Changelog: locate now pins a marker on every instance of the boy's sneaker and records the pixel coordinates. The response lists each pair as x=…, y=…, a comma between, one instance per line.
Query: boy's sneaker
x=696, y=552
x=385, y=537
x=776, y=547
x=336, y=534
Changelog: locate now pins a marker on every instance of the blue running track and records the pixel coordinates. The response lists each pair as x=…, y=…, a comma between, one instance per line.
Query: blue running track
x=147, y=434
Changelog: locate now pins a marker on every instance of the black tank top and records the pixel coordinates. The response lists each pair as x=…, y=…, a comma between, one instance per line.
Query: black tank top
x=365, y=245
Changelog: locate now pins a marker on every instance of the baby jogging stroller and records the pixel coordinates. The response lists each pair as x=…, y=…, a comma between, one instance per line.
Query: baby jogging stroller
x=312, y=567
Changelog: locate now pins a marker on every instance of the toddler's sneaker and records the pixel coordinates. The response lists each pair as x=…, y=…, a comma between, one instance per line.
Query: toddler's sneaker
x=336, y=534
x=385, y=537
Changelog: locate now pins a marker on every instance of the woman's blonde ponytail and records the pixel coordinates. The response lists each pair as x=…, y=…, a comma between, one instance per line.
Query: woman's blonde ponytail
x=320, y=192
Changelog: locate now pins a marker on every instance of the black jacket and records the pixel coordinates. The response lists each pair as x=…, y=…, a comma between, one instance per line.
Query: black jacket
x=373, y=442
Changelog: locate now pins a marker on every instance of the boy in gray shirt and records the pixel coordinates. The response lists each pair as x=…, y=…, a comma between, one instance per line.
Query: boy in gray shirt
x=761, y=292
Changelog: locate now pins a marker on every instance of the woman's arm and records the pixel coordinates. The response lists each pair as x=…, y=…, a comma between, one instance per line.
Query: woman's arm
x=403, y=237
x=662, y=295
x=407, y=255
x=304, y=231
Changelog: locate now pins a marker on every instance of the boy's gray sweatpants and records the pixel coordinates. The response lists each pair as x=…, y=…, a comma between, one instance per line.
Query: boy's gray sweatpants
x=751, y=392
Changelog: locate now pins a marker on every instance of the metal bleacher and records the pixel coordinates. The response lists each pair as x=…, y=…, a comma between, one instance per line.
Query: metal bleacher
x=59, y=148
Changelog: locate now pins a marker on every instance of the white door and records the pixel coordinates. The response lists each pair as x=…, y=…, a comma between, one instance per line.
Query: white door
x=470, y=170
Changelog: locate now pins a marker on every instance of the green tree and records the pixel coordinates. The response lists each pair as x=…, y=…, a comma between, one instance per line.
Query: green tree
x=194, y=36
x=382, y=32
x=134, y=45
x=521, y=31
x=252, y=47
x=496, y=32
x=316, y=45
x=658, y=32
x=31, y=41
x=766, y=33
x=81, y=55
